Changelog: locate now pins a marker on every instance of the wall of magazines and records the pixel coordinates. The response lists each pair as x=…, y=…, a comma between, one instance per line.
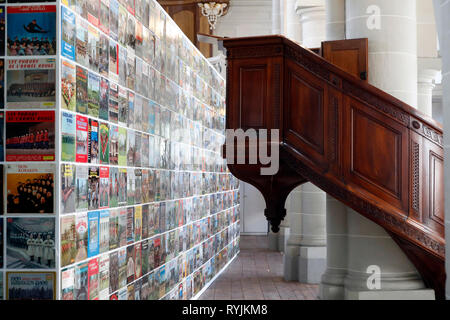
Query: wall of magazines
x=112, y=179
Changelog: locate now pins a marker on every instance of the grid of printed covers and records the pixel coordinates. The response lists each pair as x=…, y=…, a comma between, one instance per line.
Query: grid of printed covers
x=147, y=208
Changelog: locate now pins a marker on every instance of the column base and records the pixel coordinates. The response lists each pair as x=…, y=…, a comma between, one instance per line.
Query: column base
x=331, y=292
x=312, y=263
x=283, y=236
x=420, y=294
x=290, y=263
x=272, y=240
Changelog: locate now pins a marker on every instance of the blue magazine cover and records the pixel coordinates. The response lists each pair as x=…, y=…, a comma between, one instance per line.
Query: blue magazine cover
x=93, y=233
x=68, y=34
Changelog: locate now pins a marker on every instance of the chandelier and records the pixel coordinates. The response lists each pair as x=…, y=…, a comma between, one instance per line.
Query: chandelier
x=212, y=11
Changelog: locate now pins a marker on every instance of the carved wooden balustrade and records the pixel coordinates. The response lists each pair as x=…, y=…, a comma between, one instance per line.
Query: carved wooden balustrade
x=374, y=153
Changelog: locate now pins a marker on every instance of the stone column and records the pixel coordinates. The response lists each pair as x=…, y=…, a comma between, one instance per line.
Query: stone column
x=293, y=24
x=425, y=86
x=312, y=20
x=276, y=17
x=332, y=283
x=442, y=12
x=335, y=19
x=391, y=29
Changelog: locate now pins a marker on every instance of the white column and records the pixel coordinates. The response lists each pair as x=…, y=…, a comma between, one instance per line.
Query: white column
x=442, y=12
x=293, y=25
x=332, y=283
x=425, y=86
x=276, y=17
x=391, y=29
x=335, y=19
x=312, y=20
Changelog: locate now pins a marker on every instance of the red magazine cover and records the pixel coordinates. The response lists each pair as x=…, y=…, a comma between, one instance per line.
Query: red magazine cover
x=93, y=279
x=30, y=136
x=82, y=139
x=104, y=187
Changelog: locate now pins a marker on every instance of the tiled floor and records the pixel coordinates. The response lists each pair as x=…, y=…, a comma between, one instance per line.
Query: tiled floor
x=257, y=274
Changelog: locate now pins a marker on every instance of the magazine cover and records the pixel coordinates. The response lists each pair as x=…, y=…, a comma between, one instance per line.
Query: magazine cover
x=130, y=225
x=82, y=188
x=122, y=154
x=93, y=154
x=138, y=186
x=113, y=102
x=144, y=250
x=123, y=106
x=29, y=188
x=104, y=16
x=93, y=188
x=81, y=44
x=130, y=121
x=104, y=277
x=93, y=233
x=122, y=267
x=137, y=149
x=122, y=65
x=30, y=243
x=113, y=187
x=130, y=292
x=82, y=139
x=68, y=133
x=68, y=34
x=68, y=85
x=104, y=231
x=93, y=279
x=130, y=264
x=114, y=229
x=104, y=187
x=123, y=17
x=138, y=260
x=104, y=143
x=114, y=145
x=151, y=255
x=131, y=69
x=145, y=214
x=137, y=223
x=122, y=227
x=93, y=94
x=122, y=187
x=93, y=47
x=30, y=136
x=113, y=271
x=30, y=83
x=130, y=147
x=2, y=43
x=82, y=90
x=31, y=22
x=104, y=99
x=93, y=12
x=30, y=285
x=68, y=284
x=131, y=185
x=122, y=295
x=68, y=240
x=103, y=55
x=81, y=281
x=113, y=61
x=114, y=19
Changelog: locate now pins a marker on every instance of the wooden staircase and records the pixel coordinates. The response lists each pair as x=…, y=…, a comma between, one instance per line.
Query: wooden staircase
x=369, y=150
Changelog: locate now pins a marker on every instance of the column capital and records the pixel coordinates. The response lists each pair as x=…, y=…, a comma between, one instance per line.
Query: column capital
x=427, y=76
x=301, y=5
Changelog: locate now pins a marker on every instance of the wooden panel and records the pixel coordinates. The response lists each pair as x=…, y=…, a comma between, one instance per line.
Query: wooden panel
x=376, y=154
x=416, y=177
x=184, y=20
x=252, y=94
x=349, y=55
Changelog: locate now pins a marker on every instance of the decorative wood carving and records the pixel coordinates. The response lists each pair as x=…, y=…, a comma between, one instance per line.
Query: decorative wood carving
x=364, y=147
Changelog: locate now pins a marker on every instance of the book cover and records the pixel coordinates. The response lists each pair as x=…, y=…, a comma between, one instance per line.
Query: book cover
x=68, y=284
x=114, y=229
x=68, y=240
x=104, y=143
x=68, y=34
x=104, y=276
x=30, y=188
x=122, y=153
x=104, y=99
x=93, y=11
x=93, y=154
x=123, y=184
x=93, y=279
x=93, y=47
x=123, y=17
x=113, y=187
x=130, y=264
x=138, y=260
x=31, y=22
x=29, y=285
x=123, y=65
x=114, y=19
x=104, y=187
x=114, y=145
x=30, y=135
x=81, y=281
x=104, y=231
x=68, y=85
x=130, y=225
x=137, y=223
x=113, y=61
x=93, y=94
x=104, y=16
x=122, y=256
x=68, y=133
x=81, y=44
x=82, y=90
x=131, y=185
x=113, y=272
x=103, y=55
x=113, y=102
x=93, y=185
x=123, y=106
x=93, y=233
